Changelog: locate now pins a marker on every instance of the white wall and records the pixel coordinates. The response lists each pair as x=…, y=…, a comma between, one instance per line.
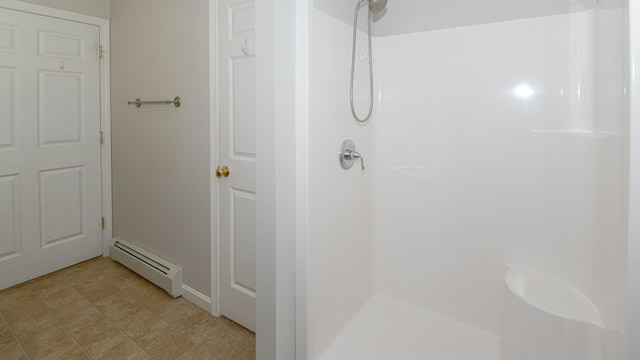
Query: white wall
x=340, y=243
x=97, y=8
x=161, y=165
x=469, y=176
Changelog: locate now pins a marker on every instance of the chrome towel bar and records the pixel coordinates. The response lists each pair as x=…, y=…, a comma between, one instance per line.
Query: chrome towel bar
x=138, y=102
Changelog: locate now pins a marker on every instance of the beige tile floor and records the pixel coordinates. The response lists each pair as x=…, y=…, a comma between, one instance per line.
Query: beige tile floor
x=100, y=310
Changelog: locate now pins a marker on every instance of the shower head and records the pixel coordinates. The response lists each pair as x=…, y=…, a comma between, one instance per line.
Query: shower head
x=377, y=5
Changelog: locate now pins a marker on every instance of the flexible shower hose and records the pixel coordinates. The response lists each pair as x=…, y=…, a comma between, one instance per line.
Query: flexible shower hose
x=353, y=64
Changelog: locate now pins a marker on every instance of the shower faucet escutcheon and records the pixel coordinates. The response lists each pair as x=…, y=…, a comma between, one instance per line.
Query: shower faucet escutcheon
x=348, y=155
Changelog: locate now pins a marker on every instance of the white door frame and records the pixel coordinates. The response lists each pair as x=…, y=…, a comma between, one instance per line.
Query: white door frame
x=633, y=230
x=213, y=147
x=105, y=104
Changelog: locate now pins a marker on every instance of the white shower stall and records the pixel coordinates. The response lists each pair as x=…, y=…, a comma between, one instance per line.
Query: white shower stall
x=490, y=221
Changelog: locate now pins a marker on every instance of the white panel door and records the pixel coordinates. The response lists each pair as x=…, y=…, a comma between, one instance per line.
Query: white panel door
x=237, y=150
x=50, y=180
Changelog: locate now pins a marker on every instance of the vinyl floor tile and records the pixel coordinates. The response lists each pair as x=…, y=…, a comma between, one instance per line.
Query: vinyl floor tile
x=12, y=350
x=88, y=324
x=221, y=341
x=195, y=353
x=114, y=345
x=27, y=318
x=6, y=334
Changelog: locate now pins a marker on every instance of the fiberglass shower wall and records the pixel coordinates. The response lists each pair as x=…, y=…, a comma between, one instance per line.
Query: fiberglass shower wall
x=494, y=143
x=501, y=143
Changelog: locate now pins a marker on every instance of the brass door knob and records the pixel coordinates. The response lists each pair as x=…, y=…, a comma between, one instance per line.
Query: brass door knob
x=222, y=171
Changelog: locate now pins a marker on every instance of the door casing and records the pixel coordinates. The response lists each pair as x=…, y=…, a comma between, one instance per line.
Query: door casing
x=213, y=147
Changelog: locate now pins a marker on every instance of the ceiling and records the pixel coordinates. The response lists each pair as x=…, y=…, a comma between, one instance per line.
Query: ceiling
x=407, y=16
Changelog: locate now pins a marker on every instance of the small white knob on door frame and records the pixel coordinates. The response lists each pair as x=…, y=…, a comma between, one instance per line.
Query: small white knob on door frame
x=248, y=47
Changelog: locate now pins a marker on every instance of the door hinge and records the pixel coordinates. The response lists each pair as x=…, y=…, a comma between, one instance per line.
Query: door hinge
x=100, y=51
x=101, y=137
x=103, y=222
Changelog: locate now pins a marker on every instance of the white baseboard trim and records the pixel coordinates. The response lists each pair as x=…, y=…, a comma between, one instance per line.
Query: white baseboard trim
x=197, y=298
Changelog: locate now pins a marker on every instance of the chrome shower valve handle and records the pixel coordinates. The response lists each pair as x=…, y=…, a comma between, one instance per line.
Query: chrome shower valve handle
x=353, y=155
x=348, y=155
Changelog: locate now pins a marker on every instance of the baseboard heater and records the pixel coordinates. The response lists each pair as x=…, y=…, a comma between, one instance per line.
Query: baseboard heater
x=159, y=271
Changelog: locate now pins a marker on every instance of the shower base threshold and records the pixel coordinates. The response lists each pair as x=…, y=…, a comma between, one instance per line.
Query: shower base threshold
x=386, y=328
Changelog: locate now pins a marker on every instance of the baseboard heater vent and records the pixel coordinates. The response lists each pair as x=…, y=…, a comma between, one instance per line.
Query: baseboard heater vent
x=159, y=271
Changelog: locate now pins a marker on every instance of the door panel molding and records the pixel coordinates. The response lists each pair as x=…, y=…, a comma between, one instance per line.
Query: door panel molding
x=7, y=107
x=242, y=279
x=10, y=217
